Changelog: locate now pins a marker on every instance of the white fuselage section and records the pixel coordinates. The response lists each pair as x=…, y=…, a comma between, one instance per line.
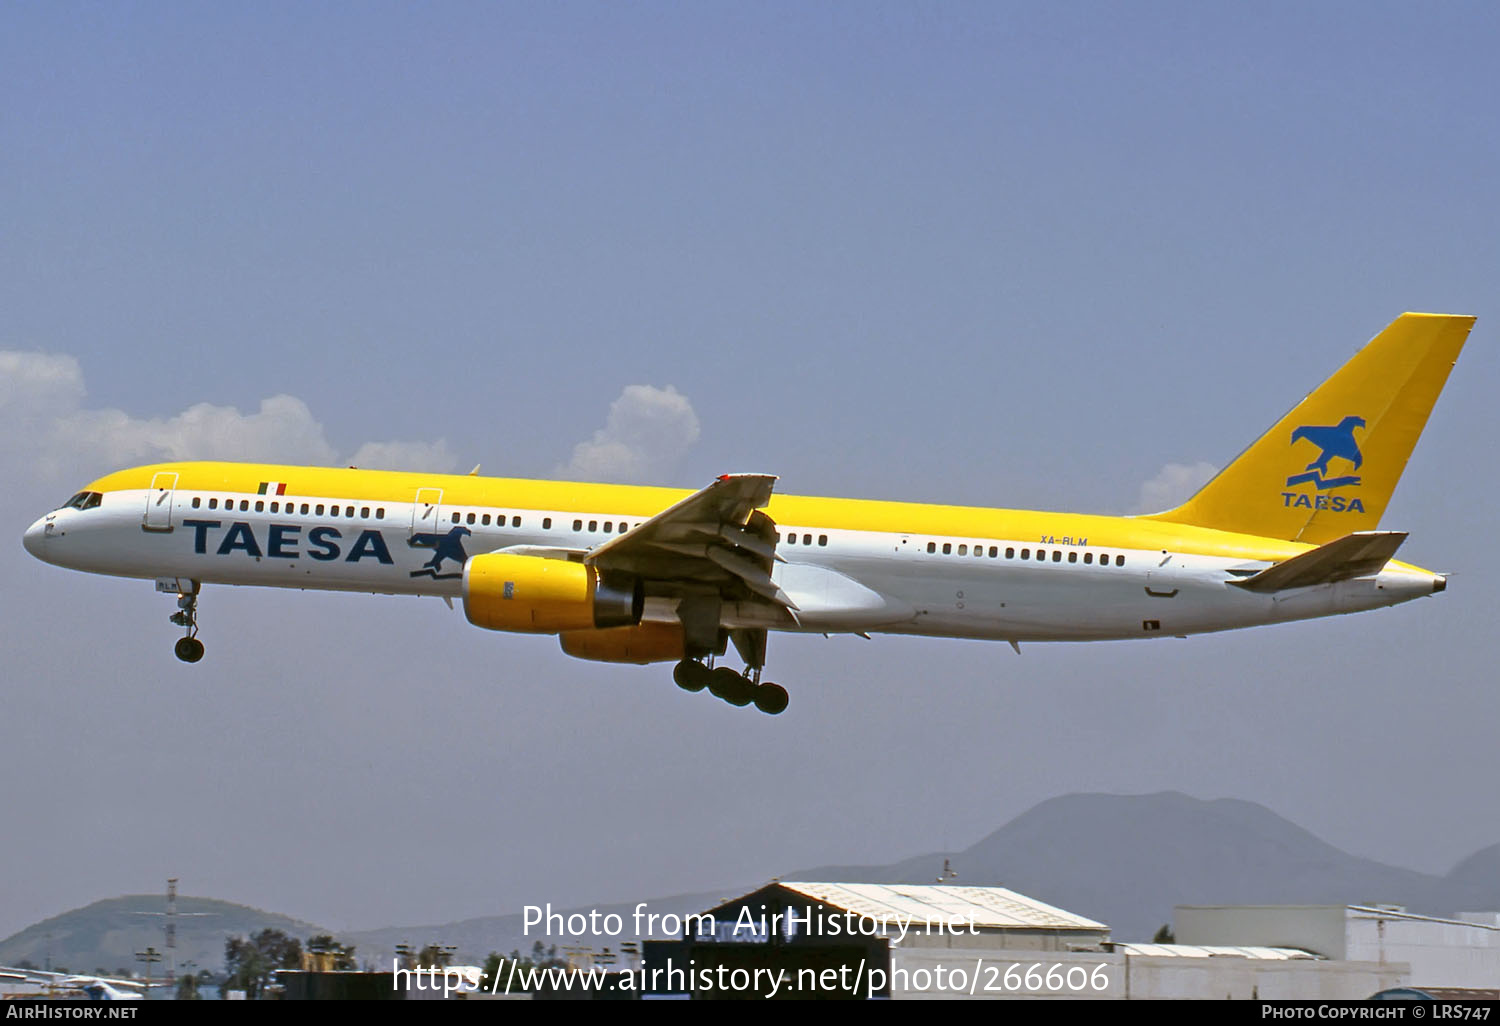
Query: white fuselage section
x=840, y=580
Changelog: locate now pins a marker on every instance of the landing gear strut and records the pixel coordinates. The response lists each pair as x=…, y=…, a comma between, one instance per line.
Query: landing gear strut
x=740, y=689
x=188, y=648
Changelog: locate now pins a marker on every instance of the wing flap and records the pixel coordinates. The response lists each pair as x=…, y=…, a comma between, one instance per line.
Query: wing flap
x=1355, y=555
x=713, y=537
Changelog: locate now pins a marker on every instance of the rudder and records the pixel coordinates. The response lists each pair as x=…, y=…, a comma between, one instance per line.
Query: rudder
x=1328, y=467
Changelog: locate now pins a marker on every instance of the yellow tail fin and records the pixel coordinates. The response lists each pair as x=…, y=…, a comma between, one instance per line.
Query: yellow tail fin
x=1328, y=468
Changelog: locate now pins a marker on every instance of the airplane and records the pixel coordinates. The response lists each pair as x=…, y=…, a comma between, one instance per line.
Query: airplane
x=1286, y=531
x=95, y=988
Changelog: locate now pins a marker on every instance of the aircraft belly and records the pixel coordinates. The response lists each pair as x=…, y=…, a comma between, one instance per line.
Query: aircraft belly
x=1048, y=604
x=826, y=599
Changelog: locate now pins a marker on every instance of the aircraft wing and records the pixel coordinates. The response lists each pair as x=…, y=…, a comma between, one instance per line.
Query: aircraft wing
x=1354, y=555
x=715, y=537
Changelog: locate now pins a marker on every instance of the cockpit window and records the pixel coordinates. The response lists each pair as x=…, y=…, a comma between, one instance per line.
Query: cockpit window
x=83, y=500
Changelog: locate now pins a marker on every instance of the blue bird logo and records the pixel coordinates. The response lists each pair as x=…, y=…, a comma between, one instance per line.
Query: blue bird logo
x=1334, y=440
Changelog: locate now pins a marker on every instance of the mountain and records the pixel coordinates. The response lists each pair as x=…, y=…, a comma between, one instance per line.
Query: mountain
x=106, y=934
x=476, y=938
x=1125, y=860
x=1474, y=884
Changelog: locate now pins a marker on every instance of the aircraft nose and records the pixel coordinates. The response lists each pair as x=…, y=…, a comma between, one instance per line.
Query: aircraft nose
x=35, y=538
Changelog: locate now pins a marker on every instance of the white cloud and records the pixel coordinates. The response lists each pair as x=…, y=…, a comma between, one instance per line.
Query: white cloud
x=648, y=431
x=433, y=456
x=1173, y=485
x=45, y=426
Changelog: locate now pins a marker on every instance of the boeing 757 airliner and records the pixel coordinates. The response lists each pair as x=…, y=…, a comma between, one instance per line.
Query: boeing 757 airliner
x=1287, y=531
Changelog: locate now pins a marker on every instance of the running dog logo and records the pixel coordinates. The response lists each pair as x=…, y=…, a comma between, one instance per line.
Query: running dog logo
x=448, y=546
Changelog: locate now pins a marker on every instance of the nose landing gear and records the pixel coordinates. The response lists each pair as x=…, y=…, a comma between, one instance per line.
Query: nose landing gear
x=189, y=649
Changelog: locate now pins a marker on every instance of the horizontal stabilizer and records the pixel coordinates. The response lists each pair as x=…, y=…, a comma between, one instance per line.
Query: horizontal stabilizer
x=1354, y=555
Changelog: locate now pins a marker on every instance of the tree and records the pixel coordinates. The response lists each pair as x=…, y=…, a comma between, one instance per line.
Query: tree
x=498, y=965
x=329, y=955
x=250, y=963
x=434, y=955
x=1164, y=935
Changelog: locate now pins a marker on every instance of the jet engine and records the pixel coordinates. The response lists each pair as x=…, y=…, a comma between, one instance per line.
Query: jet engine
x=644, y=643
x=544, y=596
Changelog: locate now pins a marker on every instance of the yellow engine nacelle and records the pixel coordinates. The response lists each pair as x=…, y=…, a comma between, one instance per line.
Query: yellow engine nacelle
x=544, y=596
x=643, y=643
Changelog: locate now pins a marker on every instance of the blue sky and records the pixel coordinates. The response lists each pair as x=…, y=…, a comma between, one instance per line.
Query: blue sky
x=1018, y=255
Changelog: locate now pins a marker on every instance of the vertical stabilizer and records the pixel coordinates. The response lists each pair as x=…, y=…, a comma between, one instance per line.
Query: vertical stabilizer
x=1328, y=468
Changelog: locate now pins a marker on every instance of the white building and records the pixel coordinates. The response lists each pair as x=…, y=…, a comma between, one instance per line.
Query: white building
x=1437, y=953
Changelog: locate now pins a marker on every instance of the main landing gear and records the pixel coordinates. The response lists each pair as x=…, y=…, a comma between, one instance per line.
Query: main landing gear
x=189, y=649
x=734, y=688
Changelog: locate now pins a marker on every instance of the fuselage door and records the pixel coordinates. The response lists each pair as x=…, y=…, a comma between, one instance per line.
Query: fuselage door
x=427, y=512
x=158, y=515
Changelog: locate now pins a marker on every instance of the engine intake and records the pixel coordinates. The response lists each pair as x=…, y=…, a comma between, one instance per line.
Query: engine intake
x=545, y=596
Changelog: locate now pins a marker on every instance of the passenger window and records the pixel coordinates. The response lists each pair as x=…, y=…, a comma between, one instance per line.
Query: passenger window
x=1104, y=559
x=931, y=547
x=963, y=550
x=515, y=521
x=485, y=520
x=1057, y=555
x=304, y=509
x=196, y=502
x=1088, y=557
x=473, y=519
x=1041, y=554
x=244, y=505
x=578, y=525
x=1025, y=553
x=1119, y=561
x=994, y=551
x=364, y=513
x=320, y=509
x=546, y=523
x=213, y=503
x=609, y=527
x=1010, y=553
x=623, y=526
x=456, y=516
x=349, y=511
x=593, y=525
x=260, y=505
x=1072, y=557
x=379, y=512
x=822, y=539
x=275, y=507
x=947, y=548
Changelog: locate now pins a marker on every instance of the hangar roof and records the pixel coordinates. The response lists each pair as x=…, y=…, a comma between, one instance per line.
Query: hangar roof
x=1214, y=951
x=994, y=908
